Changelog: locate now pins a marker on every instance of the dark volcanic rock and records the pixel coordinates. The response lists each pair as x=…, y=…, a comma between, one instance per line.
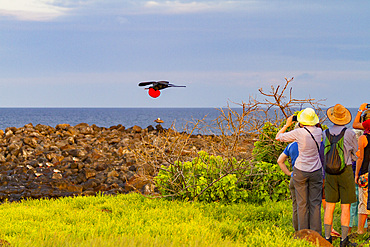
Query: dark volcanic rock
x=45, y=162
x=41, y=161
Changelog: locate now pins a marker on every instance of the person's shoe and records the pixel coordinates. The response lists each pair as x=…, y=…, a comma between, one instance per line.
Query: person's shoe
x=330, y=239
x=346, y=242
x=334, y=233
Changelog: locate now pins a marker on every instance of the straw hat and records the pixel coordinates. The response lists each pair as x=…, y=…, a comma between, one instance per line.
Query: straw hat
x=308, y=117
x=339, y=115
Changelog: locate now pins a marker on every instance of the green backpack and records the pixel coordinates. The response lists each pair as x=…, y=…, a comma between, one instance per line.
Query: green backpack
x=334, y=153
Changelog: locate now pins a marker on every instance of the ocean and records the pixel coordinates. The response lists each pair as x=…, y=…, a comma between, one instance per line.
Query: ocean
x=105, y=117
x=181, y=118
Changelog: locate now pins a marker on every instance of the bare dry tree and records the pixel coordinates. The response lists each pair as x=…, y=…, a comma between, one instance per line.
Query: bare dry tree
x=230, y=135
x=277, y=98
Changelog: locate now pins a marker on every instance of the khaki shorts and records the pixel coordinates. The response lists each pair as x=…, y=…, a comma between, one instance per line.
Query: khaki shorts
x=340, y=187
x=362, y=201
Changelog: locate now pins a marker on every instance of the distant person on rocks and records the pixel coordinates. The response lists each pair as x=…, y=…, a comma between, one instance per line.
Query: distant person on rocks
x=339, y=184
x=362, y=122
x=307, y=171
x=290, y=151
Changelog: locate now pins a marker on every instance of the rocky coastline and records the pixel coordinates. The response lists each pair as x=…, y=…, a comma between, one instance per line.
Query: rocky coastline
x=50, y=162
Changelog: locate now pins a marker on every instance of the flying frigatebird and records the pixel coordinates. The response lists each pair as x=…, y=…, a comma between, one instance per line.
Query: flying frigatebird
x=156, y=86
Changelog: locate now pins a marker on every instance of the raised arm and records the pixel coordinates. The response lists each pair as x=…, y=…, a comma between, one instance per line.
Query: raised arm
x=356, y=122
x=289, y=122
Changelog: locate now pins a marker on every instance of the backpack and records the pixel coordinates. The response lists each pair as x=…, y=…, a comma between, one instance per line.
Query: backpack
x=334, y=153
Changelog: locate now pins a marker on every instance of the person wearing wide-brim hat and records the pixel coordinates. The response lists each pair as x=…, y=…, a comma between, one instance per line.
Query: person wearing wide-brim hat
x=307, y=171
x=340, y=187
x=339, y=115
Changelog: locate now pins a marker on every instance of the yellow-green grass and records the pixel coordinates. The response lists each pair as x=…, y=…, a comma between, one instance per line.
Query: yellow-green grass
x=133, y=220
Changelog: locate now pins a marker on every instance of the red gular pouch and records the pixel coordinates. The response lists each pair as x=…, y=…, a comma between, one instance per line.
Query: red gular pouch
x=154, y=93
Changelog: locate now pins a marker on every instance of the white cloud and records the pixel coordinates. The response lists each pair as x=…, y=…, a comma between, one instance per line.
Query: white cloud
x=176, y=7
x=32, y=10
x=44, y=10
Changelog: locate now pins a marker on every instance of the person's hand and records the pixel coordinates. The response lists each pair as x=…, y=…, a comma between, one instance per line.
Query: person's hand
x=356, y=179
x=363, y=107
x=289, y=121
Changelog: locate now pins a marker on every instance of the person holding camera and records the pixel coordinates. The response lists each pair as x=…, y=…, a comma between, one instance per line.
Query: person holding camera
x=363, y=114
x=362, y=122
x=307, y=171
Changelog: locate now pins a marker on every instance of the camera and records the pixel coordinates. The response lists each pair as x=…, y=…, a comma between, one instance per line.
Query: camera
x=368, y=106
x=295, y=118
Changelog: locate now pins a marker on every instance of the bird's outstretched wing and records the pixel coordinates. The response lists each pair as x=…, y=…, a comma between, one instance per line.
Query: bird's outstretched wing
x=146, y=83
x=172, y=85
x=163, y=82
x=159, y=85
x=167, y=84
x=156, y=86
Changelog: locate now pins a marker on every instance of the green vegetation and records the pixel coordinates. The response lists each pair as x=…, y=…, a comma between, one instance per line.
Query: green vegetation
x=267, y=148
x=211, y=178
x=133, y=220
x=205, y=178
x=266, y=183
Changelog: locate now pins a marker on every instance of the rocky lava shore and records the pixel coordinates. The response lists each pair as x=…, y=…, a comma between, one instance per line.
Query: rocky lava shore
x=46, y=162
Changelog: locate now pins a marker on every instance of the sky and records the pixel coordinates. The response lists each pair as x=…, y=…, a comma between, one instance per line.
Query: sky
x=93, y=53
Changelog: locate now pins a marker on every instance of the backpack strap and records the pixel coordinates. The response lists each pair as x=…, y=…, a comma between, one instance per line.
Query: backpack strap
x=341, y=134
x=317, y=145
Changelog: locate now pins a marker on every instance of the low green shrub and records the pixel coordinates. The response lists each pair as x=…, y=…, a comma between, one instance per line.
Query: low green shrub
x=267, y=148
x=265, y=181
x=209, y=178
x=206, y=178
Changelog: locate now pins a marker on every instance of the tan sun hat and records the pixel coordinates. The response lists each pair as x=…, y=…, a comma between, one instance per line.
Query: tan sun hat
x=339, y=115
x=308, y=117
